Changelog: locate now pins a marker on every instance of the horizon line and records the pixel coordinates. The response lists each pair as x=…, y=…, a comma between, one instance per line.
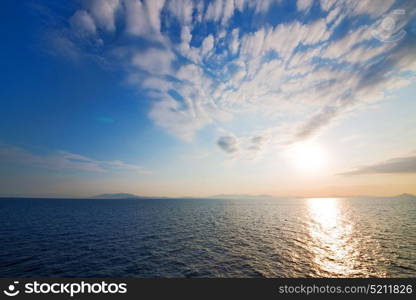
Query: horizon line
x=220, y=196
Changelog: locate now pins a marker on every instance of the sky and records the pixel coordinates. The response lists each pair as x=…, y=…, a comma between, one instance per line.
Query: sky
x=199, y=98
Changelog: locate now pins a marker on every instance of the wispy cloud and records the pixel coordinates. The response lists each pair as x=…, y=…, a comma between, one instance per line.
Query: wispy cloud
x=297, y=74
x=63, y=160
x=395, y=165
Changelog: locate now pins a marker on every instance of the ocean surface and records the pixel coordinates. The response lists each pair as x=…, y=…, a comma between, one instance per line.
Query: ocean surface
x=328, y=237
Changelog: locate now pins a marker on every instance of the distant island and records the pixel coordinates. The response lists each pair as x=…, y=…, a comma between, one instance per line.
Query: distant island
x=221, y=196
x=124, y=196
x=117, y=196
x=241, y=196
x=406, y=196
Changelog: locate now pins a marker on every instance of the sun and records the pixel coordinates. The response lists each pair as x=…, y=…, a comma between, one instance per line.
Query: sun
x=309, y=156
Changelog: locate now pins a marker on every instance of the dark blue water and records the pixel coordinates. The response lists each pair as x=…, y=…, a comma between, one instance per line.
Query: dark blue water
x=208, y=238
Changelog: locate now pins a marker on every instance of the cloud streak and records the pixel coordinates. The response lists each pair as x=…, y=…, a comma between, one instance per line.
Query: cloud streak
x=63, y=160
x=400, y=165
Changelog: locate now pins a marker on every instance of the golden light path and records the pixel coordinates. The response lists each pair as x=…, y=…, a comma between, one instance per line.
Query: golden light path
x=333, y=244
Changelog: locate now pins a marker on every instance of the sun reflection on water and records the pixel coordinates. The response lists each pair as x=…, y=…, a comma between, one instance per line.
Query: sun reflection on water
x=331, y=234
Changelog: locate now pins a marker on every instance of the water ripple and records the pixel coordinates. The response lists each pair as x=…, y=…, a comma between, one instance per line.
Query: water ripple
x=208, y=238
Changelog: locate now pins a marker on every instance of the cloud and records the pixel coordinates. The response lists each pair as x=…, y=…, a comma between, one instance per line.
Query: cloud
x=354, y=8
x=215, y=10
x=103, y=12
x=235, y=42
x=64, y=47
x=256, y=146
x=304, y=5
x=62, y=160
x=83, y=23
x=179, y=120
x=317, y=122
x=182, y=10
x=392, y=166
x=243, y=147
x=228, y=144
x=207, y=45
x=154, y=61
x=367, y=7
x=142, y=18
x=200, y=66
x=256, y=142
x=155, y=83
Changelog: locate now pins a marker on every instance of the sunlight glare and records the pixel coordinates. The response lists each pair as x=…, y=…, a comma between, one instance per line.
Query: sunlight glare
x=309, y=157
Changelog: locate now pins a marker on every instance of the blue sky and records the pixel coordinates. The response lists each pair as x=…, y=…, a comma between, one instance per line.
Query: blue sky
x=197, y=98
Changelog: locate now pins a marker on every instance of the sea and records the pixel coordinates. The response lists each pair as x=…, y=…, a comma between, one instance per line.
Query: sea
x=212, y=238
